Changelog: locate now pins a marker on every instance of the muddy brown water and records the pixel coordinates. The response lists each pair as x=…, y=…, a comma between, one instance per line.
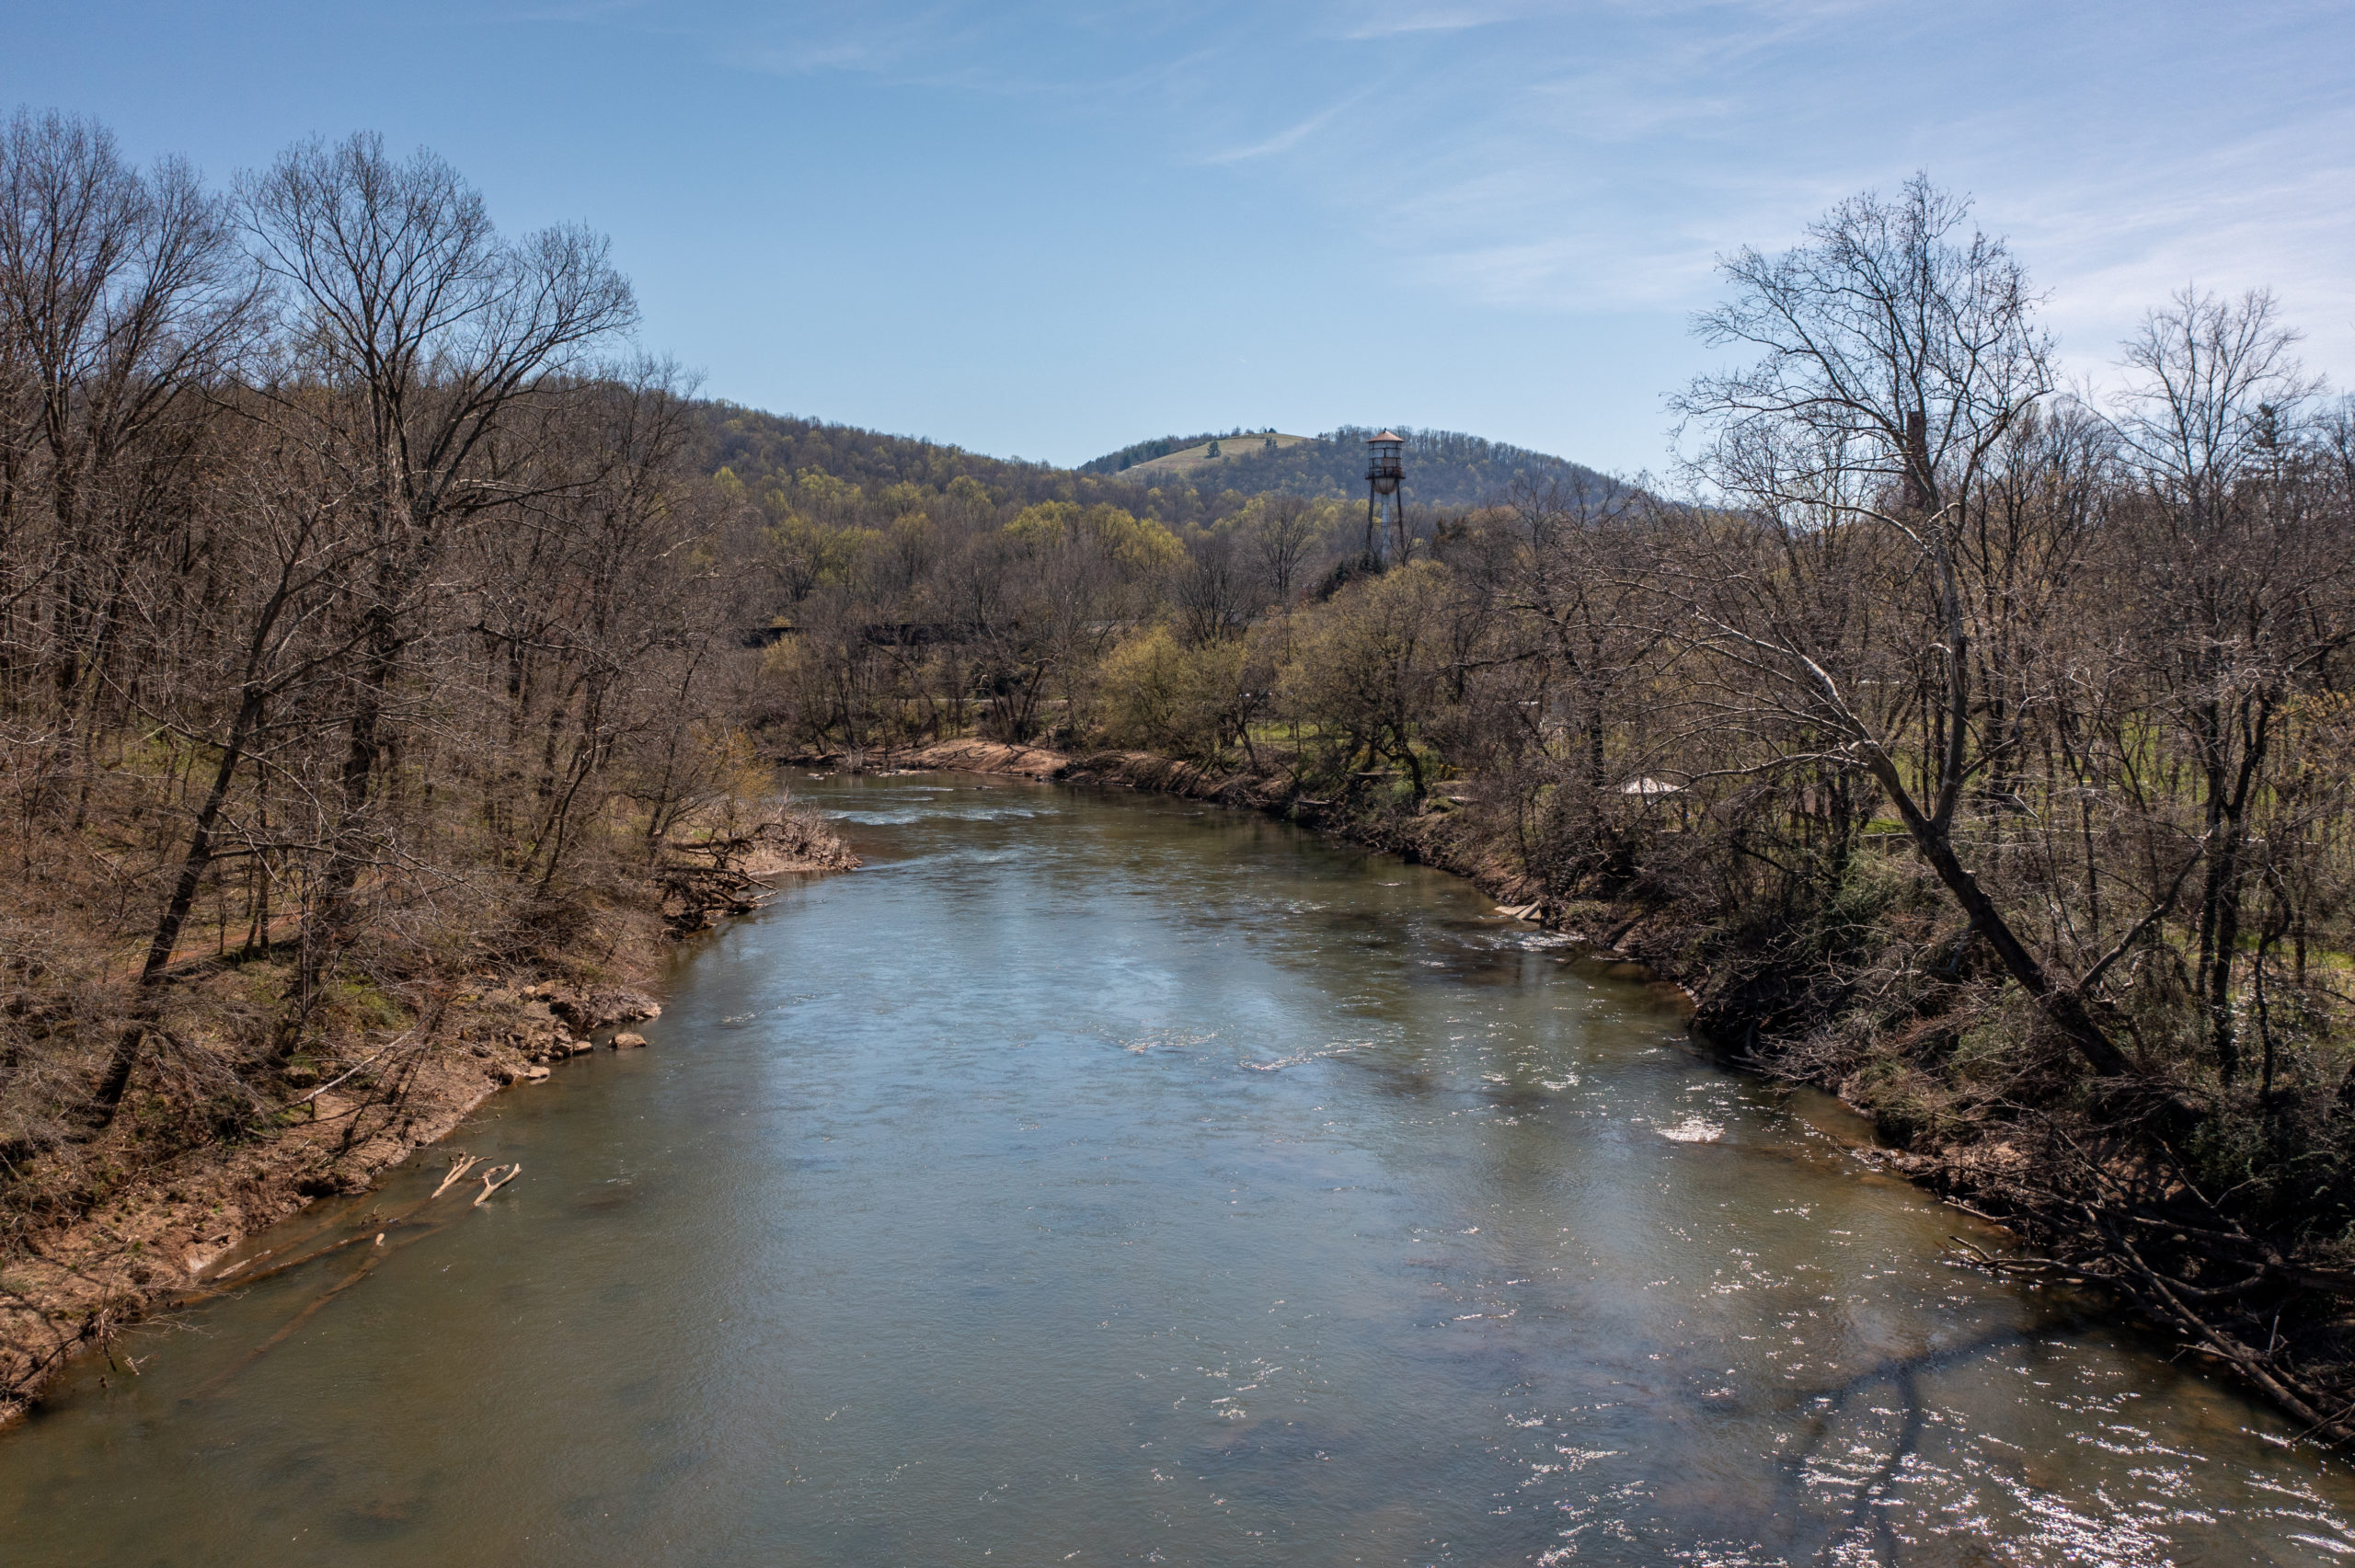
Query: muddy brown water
x=1099, y=1179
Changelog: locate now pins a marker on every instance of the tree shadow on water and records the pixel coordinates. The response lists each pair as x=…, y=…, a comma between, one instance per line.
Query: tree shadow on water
x=1895, y=1387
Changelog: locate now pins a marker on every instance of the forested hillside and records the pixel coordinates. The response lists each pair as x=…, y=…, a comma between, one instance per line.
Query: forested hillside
x=1444, y=468
x=762, y=449
x=771, y=453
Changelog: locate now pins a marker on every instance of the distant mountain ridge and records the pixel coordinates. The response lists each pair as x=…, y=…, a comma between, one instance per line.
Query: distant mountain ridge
x=1165, y=477
x=1444, y=468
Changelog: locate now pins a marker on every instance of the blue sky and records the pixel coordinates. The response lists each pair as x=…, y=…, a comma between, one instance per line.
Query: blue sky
x=1047, y=229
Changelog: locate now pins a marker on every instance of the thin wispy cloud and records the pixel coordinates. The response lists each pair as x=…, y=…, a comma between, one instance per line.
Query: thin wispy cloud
x=1381, y=21
x=1292, y=136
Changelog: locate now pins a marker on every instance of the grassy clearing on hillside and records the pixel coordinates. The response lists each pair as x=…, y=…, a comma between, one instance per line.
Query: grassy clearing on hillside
x=1195, y=458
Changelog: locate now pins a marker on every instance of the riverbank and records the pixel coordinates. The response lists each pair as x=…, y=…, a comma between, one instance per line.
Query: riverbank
x=111, y=1229
x=2092, y=1196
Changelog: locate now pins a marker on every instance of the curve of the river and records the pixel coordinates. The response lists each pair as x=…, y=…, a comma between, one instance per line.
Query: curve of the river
x=1115, y=1180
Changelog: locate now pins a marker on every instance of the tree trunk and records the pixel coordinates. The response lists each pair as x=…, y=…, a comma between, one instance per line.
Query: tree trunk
x=124, y=1058
x=2065, y=1009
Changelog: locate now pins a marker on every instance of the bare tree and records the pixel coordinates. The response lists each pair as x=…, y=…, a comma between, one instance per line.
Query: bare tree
x=122, y=294
x=2238, y=570
x=289, y=554
x=1286, y=533
x=1211, y=590
x=414, y=333
x=1897, y=350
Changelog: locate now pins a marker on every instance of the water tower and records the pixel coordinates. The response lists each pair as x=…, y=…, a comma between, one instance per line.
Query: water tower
x=1383, y=474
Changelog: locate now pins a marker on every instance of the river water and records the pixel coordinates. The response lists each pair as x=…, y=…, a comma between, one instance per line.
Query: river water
x=1103, y=1180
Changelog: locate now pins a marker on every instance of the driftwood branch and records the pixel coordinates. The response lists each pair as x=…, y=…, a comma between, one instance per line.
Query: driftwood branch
x=457, y=1170
x=492, y=1180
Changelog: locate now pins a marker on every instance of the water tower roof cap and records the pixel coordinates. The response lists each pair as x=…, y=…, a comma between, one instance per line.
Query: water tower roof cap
x=1387, y=439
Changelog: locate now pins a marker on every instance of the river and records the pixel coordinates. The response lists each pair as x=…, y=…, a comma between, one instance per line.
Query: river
x=1103, y=1179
